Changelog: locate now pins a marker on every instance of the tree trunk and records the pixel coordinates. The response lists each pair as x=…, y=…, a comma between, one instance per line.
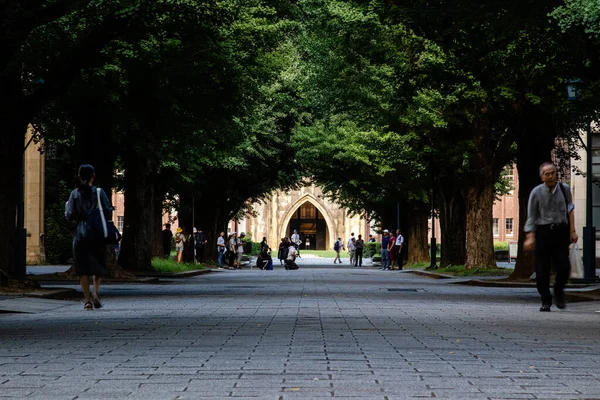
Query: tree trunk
x=12, y=142
x=533, y=148
x=453, y=224
x=157, y=246
x=480, y=242
x=140, y=171
x=416, y=236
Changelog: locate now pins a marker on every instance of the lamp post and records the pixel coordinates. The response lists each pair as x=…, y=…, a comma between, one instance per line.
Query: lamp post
x=589, y=231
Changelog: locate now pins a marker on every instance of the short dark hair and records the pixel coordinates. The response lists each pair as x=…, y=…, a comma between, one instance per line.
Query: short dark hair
x=547, y=164
x=168, y=226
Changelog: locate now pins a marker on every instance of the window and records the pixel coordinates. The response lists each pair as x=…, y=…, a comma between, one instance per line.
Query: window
x=495, y=227
x=120, y=222
x=510, y=179
x=596, y=175
x=509, y=226
x=308, y=211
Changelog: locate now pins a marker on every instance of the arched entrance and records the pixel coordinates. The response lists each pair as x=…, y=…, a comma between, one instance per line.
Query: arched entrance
x=312, y=220
x=310, y=224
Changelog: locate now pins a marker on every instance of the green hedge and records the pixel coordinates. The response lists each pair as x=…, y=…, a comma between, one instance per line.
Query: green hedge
x=372, y=249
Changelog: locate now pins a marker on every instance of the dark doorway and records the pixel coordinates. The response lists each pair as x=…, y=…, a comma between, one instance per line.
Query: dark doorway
x=310, y=225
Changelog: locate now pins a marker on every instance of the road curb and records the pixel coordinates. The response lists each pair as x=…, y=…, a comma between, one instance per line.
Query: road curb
x=56, y=294
x=432, y=275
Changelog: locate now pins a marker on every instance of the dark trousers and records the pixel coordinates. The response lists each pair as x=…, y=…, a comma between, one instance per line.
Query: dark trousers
x=232, y=257
x=167, y=250
x=200, y=254
x=551, y=245
x=358, y=256
x=398, y=256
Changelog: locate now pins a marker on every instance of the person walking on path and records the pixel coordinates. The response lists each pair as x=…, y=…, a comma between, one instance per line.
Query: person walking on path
x=167, y=240
x=385, y=259
x=221, y=249
x=358, y=255
x=550, y=228
x=89, y=255
x=338, y=246
x=398, y=248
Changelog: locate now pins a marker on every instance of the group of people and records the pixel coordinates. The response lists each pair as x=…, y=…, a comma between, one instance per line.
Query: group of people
x=355, y=249
x=197, y=240
x=288, y=251
x=391, y=250
x=550, y=228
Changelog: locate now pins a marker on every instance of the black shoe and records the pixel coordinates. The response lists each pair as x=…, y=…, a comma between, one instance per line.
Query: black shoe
x=559, y=299
x=545, y=307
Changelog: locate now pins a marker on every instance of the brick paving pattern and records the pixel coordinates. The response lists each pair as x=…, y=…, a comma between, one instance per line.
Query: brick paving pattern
x=312, y=333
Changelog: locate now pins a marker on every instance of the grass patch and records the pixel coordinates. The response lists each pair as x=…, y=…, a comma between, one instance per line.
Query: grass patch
x=460, y=270
x=164, y=265
x=420, y=265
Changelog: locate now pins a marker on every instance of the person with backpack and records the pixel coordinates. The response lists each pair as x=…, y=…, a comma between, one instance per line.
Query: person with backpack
x=337, y=247
x=360, y=244
x=282, y=251
x=89, y=253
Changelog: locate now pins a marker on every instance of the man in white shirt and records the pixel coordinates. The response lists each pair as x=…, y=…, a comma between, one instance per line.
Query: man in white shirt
x=295, y=238
x=240, y=250
x=398, y=247
x=352, y=250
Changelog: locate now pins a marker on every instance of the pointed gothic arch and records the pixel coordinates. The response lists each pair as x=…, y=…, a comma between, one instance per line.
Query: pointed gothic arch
x=331, y=231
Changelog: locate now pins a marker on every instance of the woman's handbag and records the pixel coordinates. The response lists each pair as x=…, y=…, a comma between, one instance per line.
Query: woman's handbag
x=100, y=229
x=576, y=263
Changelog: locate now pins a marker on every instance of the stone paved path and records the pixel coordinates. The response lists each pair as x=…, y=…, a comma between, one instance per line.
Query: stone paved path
x=311, y=333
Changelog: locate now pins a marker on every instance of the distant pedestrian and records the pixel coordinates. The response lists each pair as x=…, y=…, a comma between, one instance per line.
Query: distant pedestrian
x=89, y=254
x=371, y=239
x=358, y=255
x=232, y=250
x=179, y=242
x=337, y=247
x=392, y=251
x=200, y=244
x=385, y=259
x=167, y=240
x=240, y=249
x=221, y=248
x=398, y=248
x=282, y=253
x=352, y=249
x=550, y=228
x=295, y=239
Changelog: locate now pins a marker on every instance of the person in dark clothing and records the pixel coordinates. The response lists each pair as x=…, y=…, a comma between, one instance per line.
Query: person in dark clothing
x=89, y=253
x=200, y=243
x=550, y=228
x=167, y=240
x=358, y=255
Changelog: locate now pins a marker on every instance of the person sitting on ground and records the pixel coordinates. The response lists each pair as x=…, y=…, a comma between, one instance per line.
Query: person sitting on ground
x=290, y=261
